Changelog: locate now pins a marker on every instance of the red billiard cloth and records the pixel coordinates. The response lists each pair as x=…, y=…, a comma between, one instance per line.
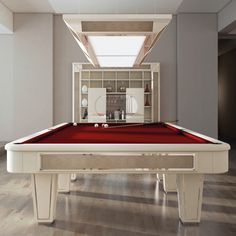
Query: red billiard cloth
x=153, y=133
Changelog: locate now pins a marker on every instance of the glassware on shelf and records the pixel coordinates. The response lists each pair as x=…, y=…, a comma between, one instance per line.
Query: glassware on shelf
x=116, y=115
x=109, y=87
x=84, y=102
x=84, y=89
x=122, y=87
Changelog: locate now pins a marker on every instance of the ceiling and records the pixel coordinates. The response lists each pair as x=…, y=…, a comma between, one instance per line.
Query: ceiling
x=28, y=5
x=115, y=6
x=202, y=6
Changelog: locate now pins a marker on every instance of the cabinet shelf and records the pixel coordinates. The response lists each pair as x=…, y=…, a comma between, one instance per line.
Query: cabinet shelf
x=116, y=79
x=116, y=93
x=112, y=80
x=115, y=121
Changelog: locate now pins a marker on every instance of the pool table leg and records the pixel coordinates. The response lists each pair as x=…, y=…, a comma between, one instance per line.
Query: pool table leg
x=190, y=188
x=44, y=191
x=169, y=183
x=64, y=183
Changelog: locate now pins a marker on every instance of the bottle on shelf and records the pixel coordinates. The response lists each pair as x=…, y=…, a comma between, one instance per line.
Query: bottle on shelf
x=85, y=113
x=146, y=89
x=110, y=116
x=122, y=87
x=147, y=103
x=122, y=115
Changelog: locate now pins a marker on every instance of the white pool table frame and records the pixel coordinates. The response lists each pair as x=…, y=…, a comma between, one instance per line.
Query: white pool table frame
x=45, y=161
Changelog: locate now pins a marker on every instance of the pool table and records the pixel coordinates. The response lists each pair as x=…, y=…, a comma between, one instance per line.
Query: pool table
x=162, y=148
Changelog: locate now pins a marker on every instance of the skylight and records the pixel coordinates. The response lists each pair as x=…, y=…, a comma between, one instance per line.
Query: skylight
x=116, y=51
x=116, y=40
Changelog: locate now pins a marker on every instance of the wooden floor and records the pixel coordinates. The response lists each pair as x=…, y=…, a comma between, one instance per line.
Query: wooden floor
x=118, y=205
x=2, y=148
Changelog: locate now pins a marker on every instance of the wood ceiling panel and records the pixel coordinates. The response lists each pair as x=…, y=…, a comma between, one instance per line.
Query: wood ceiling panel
x=117, y=26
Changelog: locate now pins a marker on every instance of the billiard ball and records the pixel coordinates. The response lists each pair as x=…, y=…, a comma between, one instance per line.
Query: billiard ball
x=74, y=124
x=96, y=125
x=106, y=125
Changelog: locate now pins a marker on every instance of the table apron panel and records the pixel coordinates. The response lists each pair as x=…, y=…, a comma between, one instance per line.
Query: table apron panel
x=68, y=161
x=117, y=162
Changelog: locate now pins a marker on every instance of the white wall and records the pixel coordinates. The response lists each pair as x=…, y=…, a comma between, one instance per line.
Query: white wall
x=6, y=20
x=27, y=76
x=6, y=87
x=197, y=86
x=33, y=72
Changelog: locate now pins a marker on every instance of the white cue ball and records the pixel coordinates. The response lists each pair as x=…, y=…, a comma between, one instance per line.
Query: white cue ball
x=96, y=125
x=103, y=125
x=106, y=126
x=74, y=124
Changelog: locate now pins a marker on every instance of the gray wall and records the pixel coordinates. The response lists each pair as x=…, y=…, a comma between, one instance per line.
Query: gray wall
x=165, y=53
x=193, y=37
x=66, y=51
x=187, y=50
x=197, y=86
x=28, y=83
x=227, y=95
x=227, y=17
